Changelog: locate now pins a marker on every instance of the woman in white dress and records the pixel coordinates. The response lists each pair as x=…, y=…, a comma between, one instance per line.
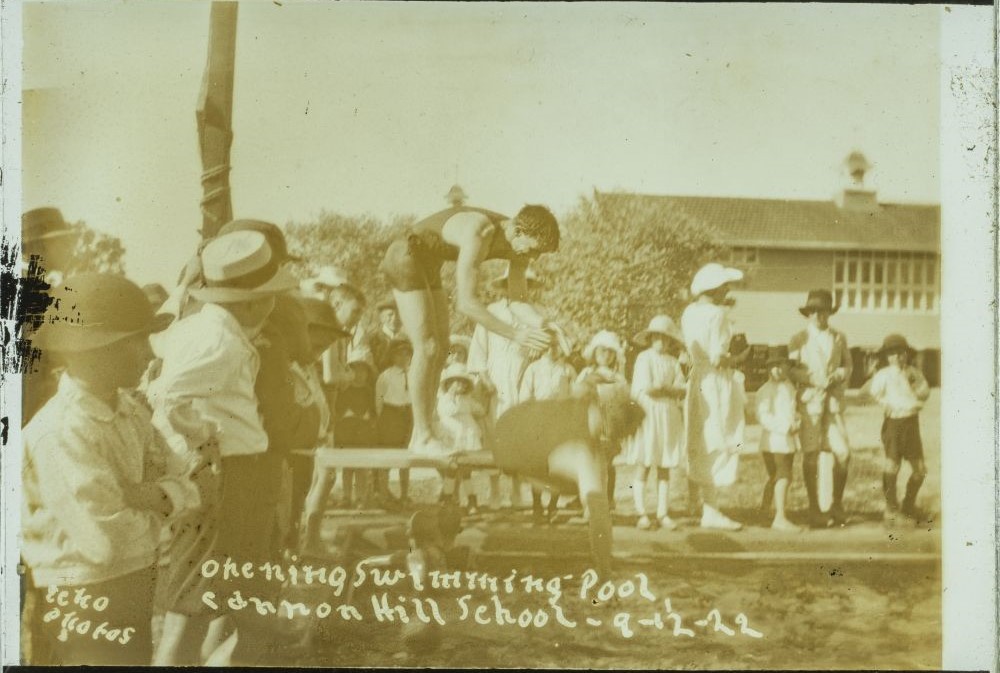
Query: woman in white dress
x=658, y=385
x=715, y=399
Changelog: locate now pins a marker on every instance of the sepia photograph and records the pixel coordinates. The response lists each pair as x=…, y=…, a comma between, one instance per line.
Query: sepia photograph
x=499, y=335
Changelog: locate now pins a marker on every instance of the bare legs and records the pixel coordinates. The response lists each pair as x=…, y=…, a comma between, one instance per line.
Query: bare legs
x=662, y=496
x=424, y=314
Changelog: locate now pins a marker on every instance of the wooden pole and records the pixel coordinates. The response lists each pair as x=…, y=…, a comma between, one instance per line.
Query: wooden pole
x=215, y=119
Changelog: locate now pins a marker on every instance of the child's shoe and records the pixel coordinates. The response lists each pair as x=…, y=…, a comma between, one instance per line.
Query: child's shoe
x=644, y=523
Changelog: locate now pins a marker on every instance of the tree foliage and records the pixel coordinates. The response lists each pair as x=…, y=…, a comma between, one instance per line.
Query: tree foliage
x=96, y=251
x=622, y=259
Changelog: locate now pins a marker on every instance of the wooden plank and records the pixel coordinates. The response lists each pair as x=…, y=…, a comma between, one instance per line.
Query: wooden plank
x=384, y=459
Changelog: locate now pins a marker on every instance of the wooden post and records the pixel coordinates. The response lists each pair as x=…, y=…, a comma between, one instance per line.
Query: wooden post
x=215, y=119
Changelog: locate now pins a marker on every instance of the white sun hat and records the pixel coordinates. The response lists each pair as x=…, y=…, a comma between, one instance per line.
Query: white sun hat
x=604, y=339
x=661, y=324
x=713, y=275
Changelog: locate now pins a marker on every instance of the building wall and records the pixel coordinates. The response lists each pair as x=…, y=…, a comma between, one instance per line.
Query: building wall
x=771, y=317
x=789, y=270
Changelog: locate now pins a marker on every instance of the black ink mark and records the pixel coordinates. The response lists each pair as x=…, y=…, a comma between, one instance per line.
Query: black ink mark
x=4, y=425
x=23, y=302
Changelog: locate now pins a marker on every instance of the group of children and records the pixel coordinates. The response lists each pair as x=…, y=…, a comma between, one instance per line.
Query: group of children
x=170, y=429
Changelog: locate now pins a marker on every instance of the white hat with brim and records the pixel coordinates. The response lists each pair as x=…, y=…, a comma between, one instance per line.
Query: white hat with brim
x=712, y=276
x=460, y=340
x=238, y=267
x=456, y=372
x=604, y=339
x=660, y=325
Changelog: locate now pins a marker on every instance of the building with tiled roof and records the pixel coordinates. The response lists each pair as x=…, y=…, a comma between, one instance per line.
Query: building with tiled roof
x=880, y=260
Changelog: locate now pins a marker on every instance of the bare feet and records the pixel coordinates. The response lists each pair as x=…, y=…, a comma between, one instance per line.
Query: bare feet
x=785, y=525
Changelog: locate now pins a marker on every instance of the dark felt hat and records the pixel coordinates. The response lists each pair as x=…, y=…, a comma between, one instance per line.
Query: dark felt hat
x=320, y=316
x=818, y=300
x=93, y=310
x=895, y=343
x=156, y=294
x=777, y=355
x=399, y=344
x=43, y=224
x=272, y=232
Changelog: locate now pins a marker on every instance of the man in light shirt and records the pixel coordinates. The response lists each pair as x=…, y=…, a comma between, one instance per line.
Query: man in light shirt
x=901, y=389
x=823, y=377
x=209, y=364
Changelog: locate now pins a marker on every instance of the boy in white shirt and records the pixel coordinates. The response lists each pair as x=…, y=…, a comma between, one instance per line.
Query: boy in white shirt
x=99, y=481
x=901, y=389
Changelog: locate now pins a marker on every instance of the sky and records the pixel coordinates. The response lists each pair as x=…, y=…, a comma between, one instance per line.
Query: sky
x=380, y=107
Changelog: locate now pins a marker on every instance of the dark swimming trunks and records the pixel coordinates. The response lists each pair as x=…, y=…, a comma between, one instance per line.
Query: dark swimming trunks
x=414, y=260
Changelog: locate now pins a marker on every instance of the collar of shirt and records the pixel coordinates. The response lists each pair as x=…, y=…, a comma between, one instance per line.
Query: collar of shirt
x=93, y=406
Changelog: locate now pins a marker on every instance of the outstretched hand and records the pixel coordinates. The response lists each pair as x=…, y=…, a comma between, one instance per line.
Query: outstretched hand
x=533, y=339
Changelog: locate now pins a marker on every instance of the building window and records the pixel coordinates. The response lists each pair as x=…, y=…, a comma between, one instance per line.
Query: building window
x=886, y=281
x=743, y=258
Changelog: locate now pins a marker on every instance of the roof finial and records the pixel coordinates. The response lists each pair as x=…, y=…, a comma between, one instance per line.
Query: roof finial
x=456, y=196
x=857, y=165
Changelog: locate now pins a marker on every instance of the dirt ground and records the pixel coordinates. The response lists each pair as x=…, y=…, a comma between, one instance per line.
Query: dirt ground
x=811, y=613
x=848, y=616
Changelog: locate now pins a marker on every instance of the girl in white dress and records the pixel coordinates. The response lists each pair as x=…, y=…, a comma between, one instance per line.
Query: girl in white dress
x=715, y=400
x=658, y=386
x=605, y=356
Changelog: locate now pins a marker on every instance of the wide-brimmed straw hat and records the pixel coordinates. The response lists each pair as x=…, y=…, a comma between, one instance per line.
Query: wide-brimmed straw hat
x=659, y=325
x=93, y=310
x=272, y=232
x=456, y=371
x=896, y=343
x=712, y=276
x=530, y=275
x=43, y=224
x=604, y=339
x=240, y=266
x=818, y=300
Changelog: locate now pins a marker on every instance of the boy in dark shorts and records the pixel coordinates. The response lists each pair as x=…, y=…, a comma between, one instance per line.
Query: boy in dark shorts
x=901, y=389
x=467, y=236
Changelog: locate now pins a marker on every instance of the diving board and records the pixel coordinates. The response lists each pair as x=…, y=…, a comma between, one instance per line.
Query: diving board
x=327, y=460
